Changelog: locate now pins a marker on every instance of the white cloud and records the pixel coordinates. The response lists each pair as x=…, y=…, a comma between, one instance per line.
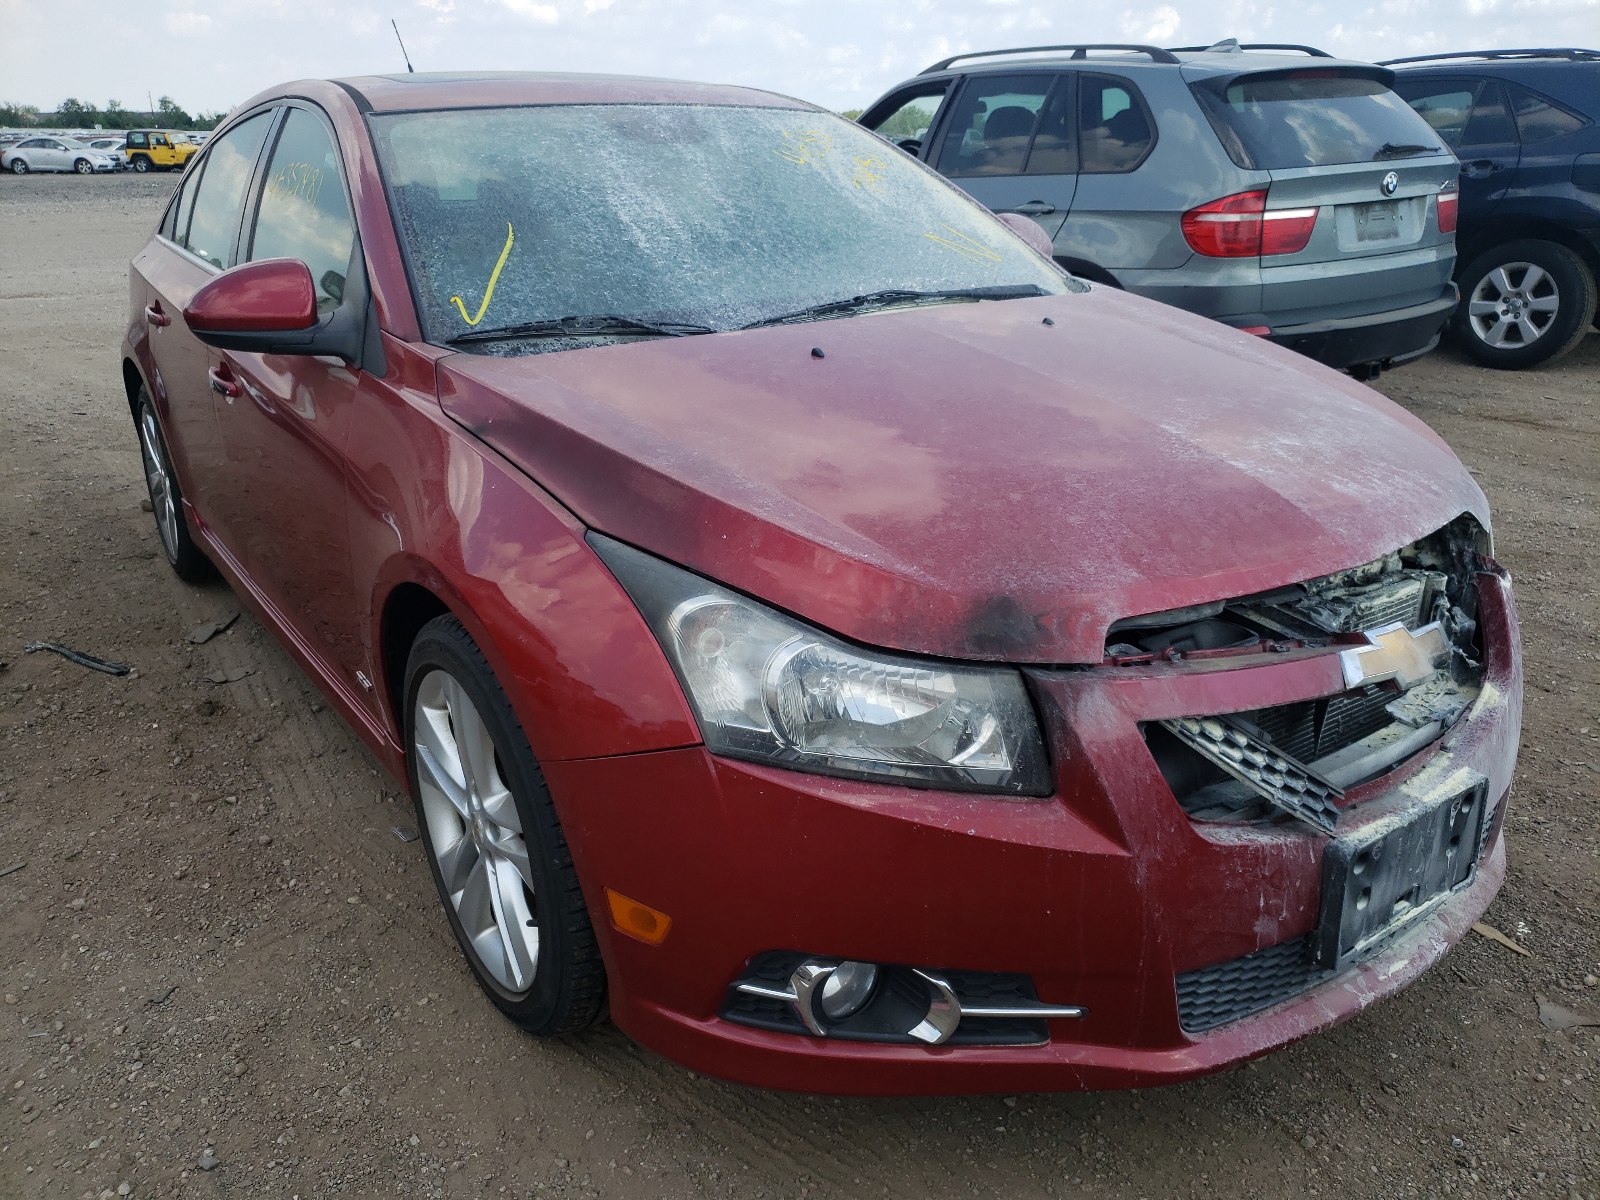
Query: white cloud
x=546, y=14
x=839, y=53
x=187, y=24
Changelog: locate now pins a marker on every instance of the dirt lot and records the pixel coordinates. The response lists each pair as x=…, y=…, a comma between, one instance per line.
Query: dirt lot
x=215, y=949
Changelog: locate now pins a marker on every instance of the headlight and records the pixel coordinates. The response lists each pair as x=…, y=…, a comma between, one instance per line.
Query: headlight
x=768, y=688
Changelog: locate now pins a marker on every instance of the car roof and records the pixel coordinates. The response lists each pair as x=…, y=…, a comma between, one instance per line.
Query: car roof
x=484, y=89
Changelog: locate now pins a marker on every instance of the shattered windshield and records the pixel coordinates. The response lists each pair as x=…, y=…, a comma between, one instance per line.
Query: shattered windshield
x=685, y=218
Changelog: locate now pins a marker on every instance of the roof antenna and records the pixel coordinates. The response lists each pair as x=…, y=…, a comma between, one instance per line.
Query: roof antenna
x=412, y=70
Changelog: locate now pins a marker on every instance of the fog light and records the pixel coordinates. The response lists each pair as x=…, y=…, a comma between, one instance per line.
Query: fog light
x=848, y=989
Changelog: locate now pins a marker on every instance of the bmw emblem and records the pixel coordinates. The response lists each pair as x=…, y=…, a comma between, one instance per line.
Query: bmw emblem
x=1390, y=184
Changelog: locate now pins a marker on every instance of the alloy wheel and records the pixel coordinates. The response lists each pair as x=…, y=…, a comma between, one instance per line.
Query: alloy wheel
x=1513, y=305
x=18, y=167
x=83, y=166
x=158, y=476
x=475, y=832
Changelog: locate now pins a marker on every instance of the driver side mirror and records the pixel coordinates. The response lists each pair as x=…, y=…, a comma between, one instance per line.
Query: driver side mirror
x=270, y=307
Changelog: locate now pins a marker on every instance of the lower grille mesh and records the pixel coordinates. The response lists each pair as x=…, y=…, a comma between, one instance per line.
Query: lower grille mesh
x=1226, y=992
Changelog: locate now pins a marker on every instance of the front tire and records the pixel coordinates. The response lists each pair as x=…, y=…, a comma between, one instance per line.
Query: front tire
x=83, y=167
x=166, y=499
x=494, y=843
x=1523, y=303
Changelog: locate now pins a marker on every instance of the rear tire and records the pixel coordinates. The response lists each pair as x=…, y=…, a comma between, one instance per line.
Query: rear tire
x=18, y=167
x=1523, y=303
x=494, y=843
x=166, y=499
x=141, y=163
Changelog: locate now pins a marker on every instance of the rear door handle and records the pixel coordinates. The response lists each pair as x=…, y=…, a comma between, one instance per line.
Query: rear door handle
x=1034, y=208
x=154, y=315
x=1481, y=167
x=223, y=385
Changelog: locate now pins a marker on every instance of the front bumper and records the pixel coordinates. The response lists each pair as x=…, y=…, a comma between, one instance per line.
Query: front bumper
x=1102, y=895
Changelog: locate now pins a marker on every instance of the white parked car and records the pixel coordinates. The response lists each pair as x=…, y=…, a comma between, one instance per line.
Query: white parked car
x=110, y=146
x=55, y=154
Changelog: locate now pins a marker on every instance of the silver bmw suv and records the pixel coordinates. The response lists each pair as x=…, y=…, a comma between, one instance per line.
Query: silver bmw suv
x=1275, y=188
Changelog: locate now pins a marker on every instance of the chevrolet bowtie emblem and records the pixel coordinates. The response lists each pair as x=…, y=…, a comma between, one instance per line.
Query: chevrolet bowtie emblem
x=1394, y=652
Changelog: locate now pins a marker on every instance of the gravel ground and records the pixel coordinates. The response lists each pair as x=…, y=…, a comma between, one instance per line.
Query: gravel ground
x=223, y=974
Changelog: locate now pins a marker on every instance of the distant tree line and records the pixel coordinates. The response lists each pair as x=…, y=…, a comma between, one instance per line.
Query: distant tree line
x=75, y=114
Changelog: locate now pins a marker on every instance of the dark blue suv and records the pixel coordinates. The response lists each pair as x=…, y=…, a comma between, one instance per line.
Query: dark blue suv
x=1526, y=126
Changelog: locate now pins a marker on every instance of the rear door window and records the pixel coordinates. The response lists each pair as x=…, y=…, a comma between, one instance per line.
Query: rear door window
x=1445, y=104
x=1115, y=132
x=303, y=211
x=230, y=162
x=1490, y=123
x=1280, y=120
x=1055, y=147
x=1539, y=119
x=992, y=125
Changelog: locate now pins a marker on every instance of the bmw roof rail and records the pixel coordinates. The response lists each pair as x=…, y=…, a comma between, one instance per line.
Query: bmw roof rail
x=1078, y=51
x=1567, y=52
x=1232, y=46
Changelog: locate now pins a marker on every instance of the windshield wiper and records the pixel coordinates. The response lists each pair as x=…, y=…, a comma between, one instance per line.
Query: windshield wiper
x=1390, y=150
x=602, y=325
x=875, y=300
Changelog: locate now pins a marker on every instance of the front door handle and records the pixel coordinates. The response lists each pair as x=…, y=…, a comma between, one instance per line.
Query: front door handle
x=1034, y=208
x=223, y=384
x=154, y=315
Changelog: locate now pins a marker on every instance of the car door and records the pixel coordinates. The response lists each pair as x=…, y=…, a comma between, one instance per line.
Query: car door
x=285, y=421
x=56, y=156
x=196, y=242
x=1112, y=224
x=1552, y=136
x=987, y=146
x=1472, y=118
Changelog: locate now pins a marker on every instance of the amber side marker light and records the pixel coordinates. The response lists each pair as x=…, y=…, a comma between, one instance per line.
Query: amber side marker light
x=638, y=920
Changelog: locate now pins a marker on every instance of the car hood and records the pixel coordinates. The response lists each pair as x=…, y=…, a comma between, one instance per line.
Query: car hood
x=966, y=480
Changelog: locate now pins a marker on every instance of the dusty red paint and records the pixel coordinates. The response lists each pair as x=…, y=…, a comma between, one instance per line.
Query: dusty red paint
x=961, y=480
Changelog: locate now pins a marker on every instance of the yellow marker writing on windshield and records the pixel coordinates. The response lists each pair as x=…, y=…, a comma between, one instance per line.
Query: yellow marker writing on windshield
x=967, y=247
x=494, y=278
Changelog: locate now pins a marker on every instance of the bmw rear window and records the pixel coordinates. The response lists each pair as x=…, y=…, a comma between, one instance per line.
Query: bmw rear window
x=1279, y=120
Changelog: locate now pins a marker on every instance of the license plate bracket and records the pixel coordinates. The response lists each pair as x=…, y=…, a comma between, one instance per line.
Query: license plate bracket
x=1377, y=881
x=1378, y=221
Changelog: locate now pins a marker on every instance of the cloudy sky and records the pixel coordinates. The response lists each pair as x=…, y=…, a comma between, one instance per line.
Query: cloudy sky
x=213, y=54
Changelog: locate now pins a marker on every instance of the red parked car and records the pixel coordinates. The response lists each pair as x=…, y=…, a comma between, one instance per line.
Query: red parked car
x=872, y=660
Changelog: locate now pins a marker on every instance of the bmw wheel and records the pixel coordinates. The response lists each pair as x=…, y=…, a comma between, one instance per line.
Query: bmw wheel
x=494, y=844
x=166, y=499
x=1523, y=303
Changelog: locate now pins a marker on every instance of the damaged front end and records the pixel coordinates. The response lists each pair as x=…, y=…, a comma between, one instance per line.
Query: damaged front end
x=1412, y=662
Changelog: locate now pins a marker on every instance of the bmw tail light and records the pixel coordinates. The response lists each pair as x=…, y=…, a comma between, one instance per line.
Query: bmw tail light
x=1287, y=230
x=1239, y=226
x=1449, y=202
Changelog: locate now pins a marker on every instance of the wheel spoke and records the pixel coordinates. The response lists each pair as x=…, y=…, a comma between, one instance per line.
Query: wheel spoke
x=1533, y=277
x=1547, y=304
x=1495, y=335
x=430, y=773
x=473, y=743
x=515, y=853
x=501, y=808
x=1500, y=281
x=456, y=864
x=1530, y=331
x=477, y=903
x=1482, y=308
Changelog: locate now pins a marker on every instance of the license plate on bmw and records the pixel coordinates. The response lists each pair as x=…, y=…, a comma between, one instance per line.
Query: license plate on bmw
x=1378, y=880
x=1378, y=221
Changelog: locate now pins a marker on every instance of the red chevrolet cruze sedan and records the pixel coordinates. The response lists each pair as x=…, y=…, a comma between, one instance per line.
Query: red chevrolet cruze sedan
x=871, y=659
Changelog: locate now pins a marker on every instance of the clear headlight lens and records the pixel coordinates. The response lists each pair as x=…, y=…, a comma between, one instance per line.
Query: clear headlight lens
x=767, y=687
